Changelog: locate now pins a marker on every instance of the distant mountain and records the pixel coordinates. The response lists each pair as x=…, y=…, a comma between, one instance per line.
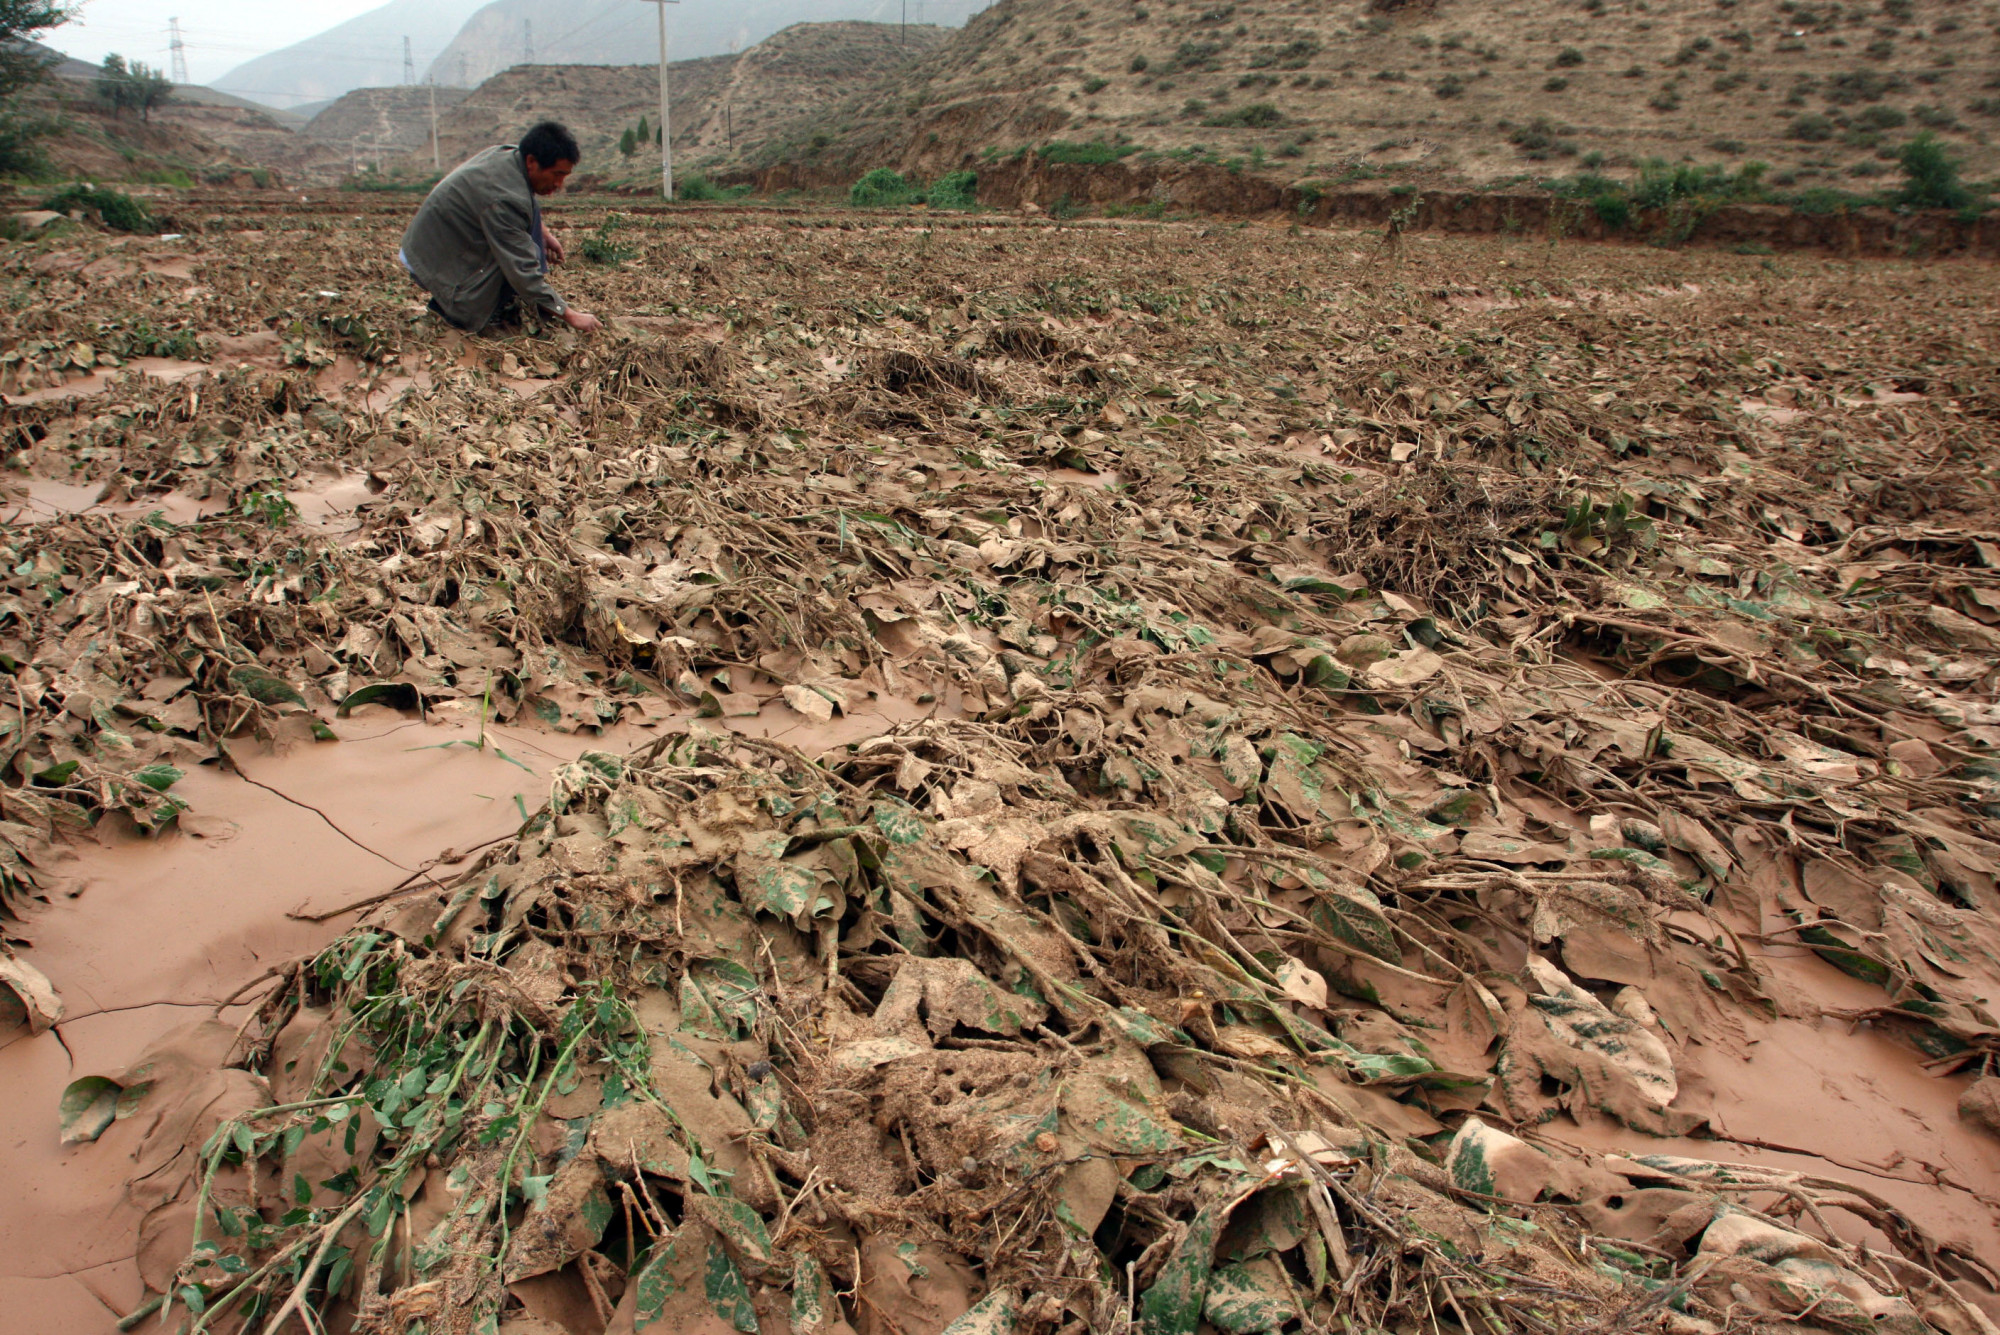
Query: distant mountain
x=363, y=52
x=506, y=33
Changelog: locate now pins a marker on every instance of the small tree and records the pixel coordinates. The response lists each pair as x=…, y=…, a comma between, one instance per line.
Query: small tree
x=21, y=68
x=114, y=84
x=1930, y=176
x=153, y=88
x=137, y=86
x=628, y=143
x=645, y=132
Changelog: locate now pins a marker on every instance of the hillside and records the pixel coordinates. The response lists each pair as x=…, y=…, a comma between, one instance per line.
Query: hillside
x=1453, y=91
x=746, y=97
x=201, y=134
x=506, y=33
x=375, y=121
x=363, y=52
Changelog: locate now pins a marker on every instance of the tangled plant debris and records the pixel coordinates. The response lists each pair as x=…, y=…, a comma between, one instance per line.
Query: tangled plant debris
x=1384, y=746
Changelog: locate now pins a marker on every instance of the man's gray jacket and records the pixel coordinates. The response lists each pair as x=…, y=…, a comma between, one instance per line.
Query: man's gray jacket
x=478, y=234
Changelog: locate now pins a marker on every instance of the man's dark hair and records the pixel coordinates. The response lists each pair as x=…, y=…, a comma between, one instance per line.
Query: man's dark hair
x=549, y=143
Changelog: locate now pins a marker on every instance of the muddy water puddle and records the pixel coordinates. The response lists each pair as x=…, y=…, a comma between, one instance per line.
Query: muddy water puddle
x=157, y=932
x=1833, y=1098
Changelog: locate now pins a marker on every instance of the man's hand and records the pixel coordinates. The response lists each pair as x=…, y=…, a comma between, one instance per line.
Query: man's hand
x=582, y=322
x=552, y=245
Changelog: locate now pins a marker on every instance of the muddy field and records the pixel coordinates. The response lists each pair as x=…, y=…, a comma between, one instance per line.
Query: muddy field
x=998, y=775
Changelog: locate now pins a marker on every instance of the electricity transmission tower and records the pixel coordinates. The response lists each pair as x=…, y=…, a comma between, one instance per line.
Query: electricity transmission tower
x=527, y=41
x=180, y=52
x=409, y=63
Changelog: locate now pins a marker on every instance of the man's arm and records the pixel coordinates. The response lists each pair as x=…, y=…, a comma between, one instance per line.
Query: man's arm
x=507, y=236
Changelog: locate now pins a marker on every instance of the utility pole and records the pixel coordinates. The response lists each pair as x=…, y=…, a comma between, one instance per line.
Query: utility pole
x=409, y=63
x=666, y=124
x=437, y=162
x=180, y=52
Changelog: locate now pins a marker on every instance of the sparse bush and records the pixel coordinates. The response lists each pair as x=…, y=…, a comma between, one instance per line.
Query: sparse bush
x=1195, y=56
x=1985, y=106
x=1881, y=118
x=880, y=189
x=1093, y=154
x=119, y=212
x=698, y=188
x=1930, y=176
x=1866, y=168
x=1880, y=49
x=1256, y=116
x=954, y=190
x=1555, y=85
x=1854, y=88
x=1824, y=199
x=1449, y=86
x=1539, y=141
x=1390, y=76
x=1731, y=147
x=1810, y=129
x=1665, y=100
x=1569, y=57
x=1139, y=64
x=1935, y=118
x=1633, y=72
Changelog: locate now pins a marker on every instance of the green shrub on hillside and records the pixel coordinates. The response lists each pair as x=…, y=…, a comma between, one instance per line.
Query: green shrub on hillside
x=1093, y=154
x=119, y=212
x=1930, y=177
x=954, y=190
x=1256, y=116
x=880, y=189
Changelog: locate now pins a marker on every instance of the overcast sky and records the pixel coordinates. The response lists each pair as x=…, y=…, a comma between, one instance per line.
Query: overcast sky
x=220, y=34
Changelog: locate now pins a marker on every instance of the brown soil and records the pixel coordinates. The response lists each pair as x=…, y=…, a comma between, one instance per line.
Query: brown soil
x=1065, y=778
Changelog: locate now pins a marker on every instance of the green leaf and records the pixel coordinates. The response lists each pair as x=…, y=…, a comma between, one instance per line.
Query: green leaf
x=159, y=778
x=899, y=823
x=740, y=1226
x=778, y=888
x=995, y=1314
x=1173, y=1305
x=1246, y=1300
x=655, y=1284
x=266, y=688
x=727, y=1293
x=812, y=1296
x=396, y=694
x=88, y=1107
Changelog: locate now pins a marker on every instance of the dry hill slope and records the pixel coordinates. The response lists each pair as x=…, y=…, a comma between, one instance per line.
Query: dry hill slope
x=619, y=32
x=1472, y=92
x=717, y=99
x=383, y=120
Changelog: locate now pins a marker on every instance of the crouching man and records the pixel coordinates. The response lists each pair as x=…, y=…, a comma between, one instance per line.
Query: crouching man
x=479, y=245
